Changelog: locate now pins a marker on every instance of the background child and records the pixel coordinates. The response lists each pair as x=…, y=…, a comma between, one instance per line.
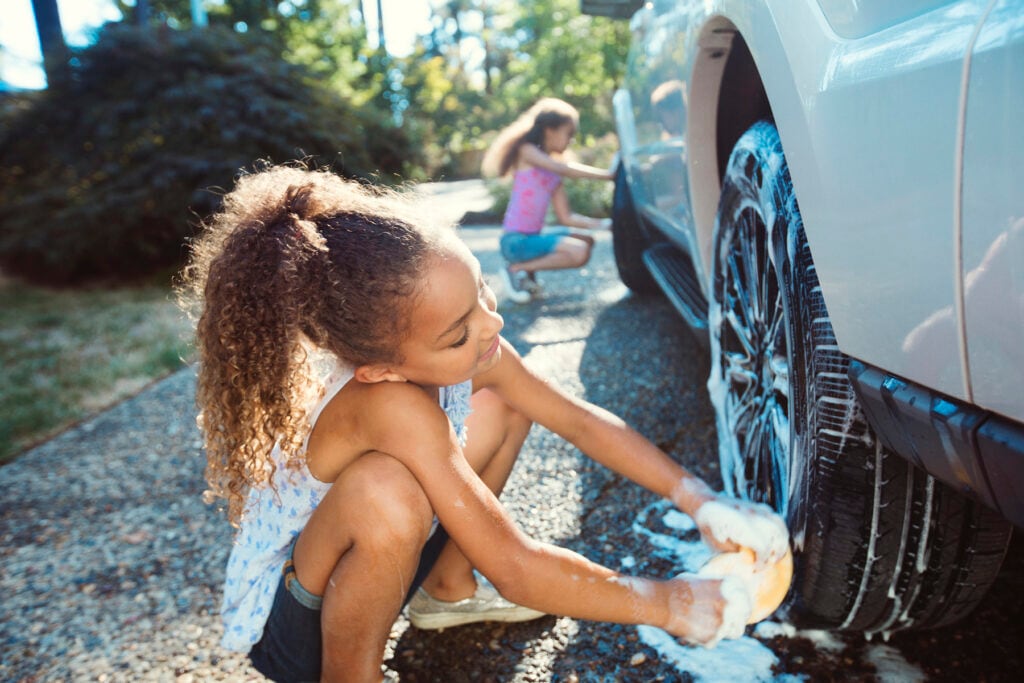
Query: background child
x=345, y=486
x=532, y=150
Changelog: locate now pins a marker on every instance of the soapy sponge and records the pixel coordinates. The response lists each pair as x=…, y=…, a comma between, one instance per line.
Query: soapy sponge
x=767, y=584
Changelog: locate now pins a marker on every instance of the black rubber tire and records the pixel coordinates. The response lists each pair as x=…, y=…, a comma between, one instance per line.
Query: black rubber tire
x=880, y=546
x=629, y=239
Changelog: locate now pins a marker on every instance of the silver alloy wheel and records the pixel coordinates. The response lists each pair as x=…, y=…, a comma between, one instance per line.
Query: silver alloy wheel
x=751, y=378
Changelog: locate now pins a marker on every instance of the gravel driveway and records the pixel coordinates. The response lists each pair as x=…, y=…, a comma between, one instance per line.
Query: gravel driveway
x=110, y=565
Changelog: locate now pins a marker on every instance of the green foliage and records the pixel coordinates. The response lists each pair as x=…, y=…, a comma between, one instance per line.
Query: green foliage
x=326, y=36
x=532, y=50
x=103, y=176
x=564, y=54
x=445, y=114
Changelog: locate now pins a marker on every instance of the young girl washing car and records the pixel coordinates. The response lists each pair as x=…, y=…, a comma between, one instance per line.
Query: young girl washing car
x=532, y=149
x=345, y=486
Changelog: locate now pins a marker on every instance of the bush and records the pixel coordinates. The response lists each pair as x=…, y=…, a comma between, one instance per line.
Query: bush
x=102, y=178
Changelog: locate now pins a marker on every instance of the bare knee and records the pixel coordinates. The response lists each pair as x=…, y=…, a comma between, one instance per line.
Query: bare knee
x=392, y=504
x=516, y=424
x=582, y=255
x=488, y=402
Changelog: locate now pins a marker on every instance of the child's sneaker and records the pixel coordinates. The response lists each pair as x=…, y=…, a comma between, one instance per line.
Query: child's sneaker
x=486, y=604
x=515, y=285
x=533, y=285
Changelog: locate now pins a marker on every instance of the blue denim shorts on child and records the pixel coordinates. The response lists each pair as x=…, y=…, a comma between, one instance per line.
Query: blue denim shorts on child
x=291, y=645
x=517, y=247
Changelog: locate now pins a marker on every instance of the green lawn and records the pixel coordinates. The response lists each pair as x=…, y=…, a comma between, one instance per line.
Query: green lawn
x=67, y=354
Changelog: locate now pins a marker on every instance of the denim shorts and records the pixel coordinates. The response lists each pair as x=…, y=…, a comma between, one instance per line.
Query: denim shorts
x=517, y=247
x=291, y=646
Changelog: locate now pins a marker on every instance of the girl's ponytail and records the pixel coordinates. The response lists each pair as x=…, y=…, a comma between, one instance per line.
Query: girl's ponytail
x=251, y=387
x=296, y=260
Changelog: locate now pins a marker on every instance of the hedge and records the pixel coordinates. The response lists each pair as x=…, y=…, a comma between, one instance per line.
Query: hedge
x=104, y=175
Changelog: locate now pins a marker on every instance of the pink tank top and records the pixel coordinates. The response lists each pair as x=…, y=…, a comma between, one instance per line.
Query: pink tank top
x=531, y=194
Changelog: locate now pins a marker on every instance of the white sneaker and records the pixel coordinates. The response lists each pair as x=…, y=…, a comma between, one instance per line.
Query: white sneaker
x=515, y=285
x=486, y=604
x=533, y=285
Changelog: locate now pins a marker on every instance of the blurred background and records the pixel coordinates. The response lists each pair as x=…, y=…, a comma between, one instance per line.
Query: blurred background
x=123, y=121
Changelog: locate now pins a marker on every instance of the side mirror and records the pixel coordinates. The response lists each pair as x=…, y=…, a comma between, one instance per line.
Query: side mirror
x=616, y=9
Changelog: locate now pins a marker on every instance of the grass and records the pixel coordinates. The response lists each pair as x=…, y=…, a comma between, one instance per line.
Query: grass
x=69, y=354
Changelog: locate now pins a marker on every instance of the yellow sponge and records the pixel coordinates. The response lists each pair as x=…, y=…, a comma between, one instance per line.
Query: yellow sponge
x=768, y=585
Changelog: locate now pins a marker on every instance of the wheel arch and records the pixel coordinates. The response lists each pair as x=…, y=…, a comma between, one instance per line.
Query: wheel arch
x=740, y=75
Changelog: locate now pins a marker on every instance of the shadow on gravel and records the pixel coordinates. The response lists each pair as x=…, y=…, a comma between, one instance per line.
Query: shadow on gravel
x=475, y=653
x=643, y=364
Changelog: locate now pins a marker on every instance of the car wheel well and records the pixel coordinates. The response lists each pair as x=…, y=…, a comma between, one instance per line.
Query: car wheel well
x=742, y=101
x=727, y=97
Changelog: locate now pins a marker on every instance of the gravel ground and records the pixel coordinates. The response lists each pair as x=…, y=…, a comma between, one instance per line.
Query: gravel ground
x=110, y=564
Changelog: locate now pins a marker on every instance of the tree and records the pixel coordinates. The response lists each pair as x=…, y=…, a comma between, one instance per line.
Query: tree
x=550, y=59
x=381, y=45
x=51, y=36
x=529, y=50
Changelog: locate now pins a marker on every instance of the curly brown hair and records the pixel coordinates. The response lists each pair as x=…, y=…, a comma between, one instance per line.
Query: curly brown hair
x=296, y=262
x=547, y=113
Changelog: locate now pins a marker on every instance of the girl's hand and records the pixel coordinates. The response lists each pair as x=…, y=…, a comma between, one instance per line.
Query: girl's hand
x=726, y=524
x=703, y=611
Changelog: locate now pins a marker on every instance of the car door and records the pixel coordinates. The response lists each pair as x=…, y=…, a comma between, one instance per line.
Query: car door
x=657, y=90
x=992, y=212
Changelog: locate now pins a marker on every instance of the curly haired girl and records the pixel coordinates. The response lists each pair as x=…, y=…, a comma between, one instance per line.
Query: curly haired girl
x=346, y=485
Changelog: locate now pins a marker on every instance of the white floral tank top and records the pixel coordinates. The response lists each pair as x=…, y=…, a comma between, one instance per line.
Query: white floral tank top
x=270, y=523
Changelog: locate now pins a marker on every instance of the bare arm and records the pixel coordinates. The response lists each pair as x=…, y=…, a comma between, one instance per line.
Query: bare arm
x=565, y=215
x=598, y=433
x=725, y=523
x=539, y=575
x=535, y=156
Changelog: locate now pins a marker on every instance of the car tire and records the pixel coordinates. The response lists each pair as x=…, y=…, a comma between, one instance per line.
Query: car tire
x=629, y=239
x=879, y=545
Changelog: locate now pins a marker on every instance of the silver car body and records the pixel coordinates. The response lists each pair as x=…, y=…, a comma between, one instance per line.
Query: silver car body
x=901, y=123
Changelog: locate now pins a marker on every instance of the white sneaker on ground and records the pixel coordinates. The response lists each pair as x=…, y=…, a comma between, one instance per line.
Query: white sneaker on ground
x=533, y=285
x=515, y=285
x=486, y=604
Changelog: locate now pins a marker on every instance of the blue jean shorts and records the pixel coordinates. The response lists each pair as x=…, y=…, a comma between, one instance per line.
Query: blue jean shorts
x=517, y=247
x=291, y=646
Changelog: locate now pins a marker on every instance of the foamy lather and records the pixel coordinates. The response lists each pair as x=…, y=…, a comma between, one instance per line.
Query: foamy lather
x=764, y=533
x=736, y=611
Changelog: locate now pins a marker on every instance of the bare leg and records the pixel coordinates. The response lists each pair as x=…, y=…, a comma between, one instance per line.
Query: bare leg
x=586, y=237
x=360, y=550
x=496, y=433
x=572, y=252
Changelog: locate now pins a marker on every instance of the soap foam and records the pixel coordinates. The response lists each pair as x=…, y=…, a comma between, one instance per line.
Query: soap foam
x=764, y=533
x=737, y=609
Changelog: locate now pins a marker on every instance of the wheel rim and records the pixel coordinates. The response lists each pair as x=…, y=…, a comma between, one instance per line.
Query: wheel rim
x=754, y=362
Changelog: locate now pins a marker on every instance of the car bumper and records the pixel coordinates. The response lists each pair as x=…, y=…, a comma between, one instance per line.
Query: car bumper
x=976, y=452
